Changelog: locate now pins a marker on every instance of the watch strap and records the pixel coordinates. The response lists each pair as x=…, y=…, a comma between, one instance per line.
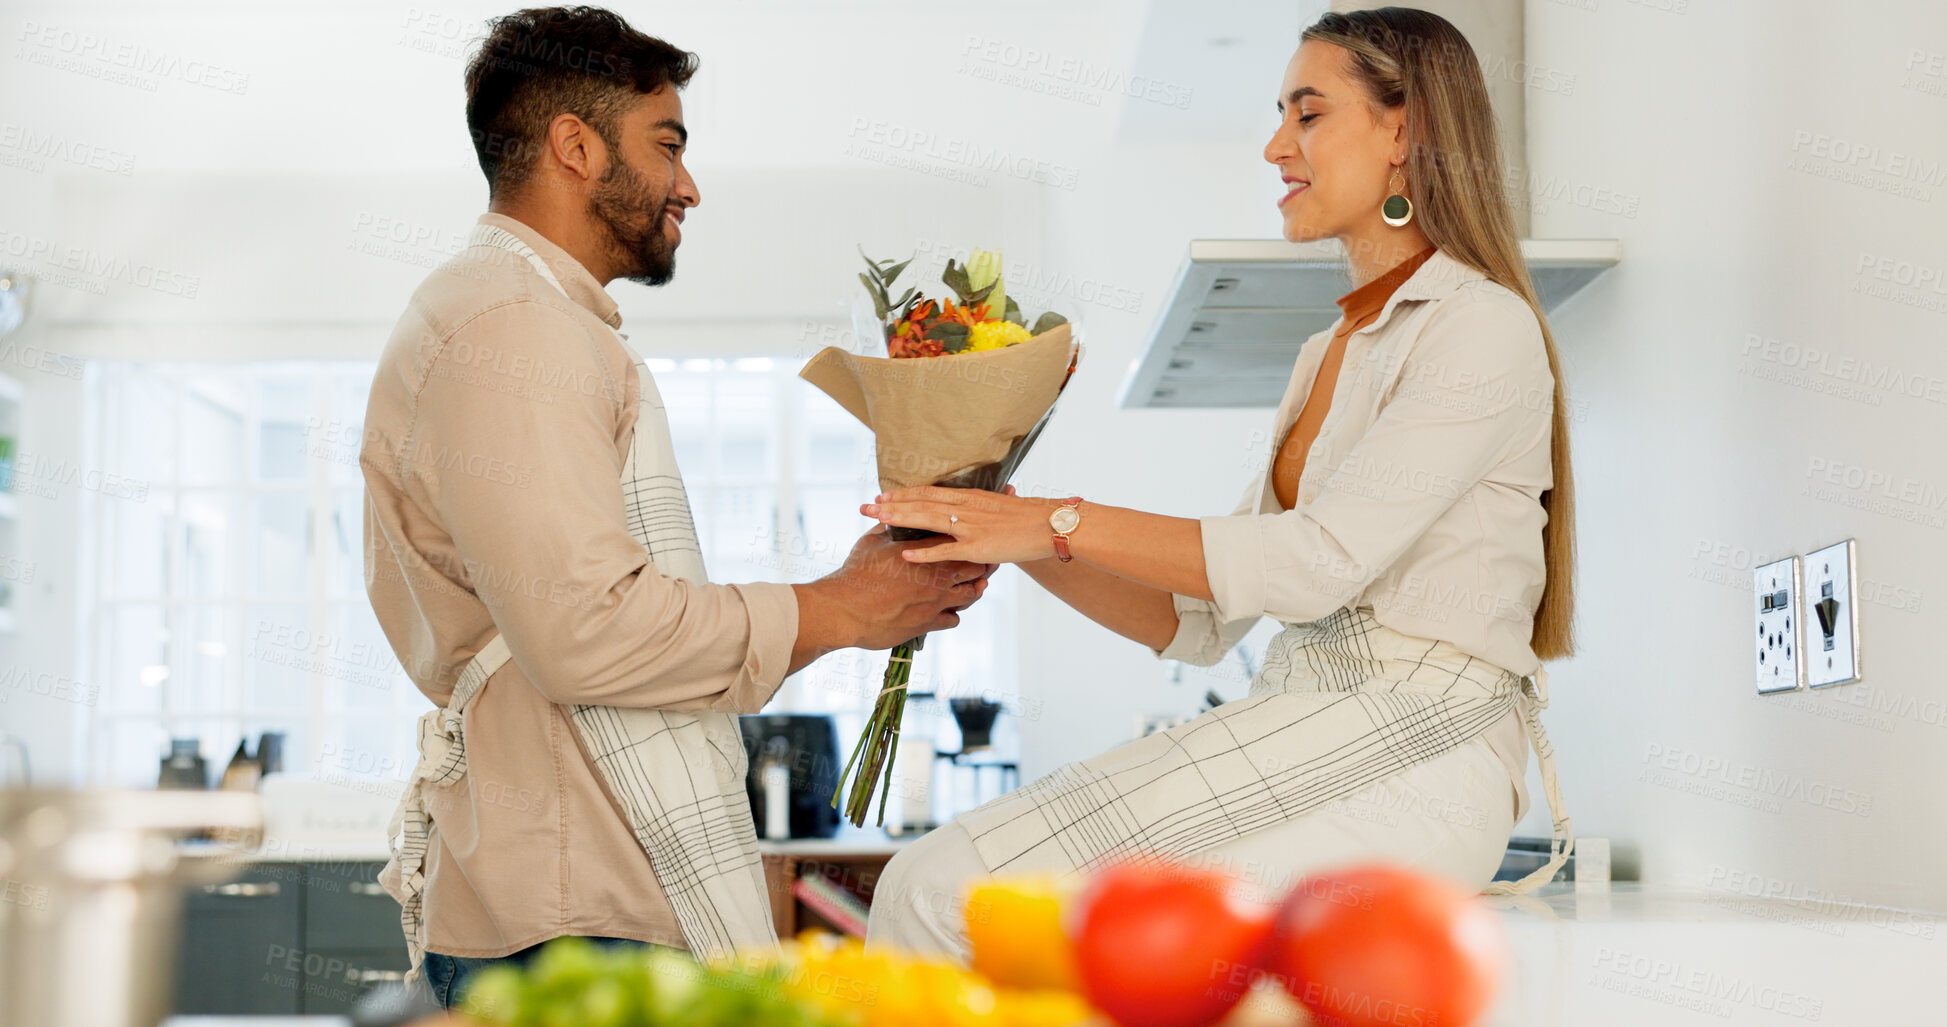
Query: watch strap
x=1061, y=537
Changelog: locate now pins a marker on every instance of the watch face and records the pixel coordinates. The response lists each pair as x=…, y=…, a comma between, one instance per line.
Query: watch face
x=1065, y=519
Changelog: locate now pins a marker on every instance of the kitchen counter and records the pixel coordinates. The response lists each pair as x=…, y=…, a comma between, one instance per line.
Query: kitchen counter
x=849, y=842
x=257, y=1021
x=1738, y=953
x=1625, y=954
x=279, y=851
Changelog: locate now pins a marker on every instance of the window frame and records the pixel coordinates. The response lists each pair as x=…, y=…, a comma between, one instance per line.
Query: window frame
x=843, y=688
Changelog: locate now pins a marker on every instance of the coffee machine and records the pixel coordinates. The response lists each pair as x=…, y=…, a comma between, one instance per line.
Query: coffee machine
x=794, y=768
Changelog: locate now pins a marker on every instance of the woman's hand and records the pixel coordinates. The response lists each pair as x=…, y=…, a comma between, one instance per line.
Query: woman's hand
x=986, y=528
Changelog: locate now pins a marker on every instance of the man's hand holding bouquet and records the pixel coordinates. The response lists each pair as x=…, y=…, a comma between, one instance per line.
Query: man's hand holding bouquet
x=965, y=387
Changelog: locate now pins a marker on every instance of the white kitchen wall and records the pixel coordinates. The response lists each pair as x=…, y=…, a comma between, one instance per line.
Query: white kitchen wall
x=1757, y=382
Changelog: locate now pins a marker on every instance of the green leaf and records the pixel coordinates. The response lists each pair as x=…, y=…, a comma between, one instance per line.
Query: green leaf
x=955, y=278
x=894, y=273
x=981, y=295
x=951, y=335
x=1046, y=322
x=1013, y=313
x=879, y=302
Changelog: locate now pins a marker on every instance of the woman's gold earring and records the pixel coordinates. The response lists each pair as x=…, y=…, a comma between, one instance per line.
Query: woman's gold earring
x=1397, y=210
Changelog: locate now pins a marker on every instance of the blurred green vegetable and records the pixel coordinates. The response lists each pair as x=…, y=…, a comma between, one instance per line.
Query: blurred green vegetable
x=573, y=982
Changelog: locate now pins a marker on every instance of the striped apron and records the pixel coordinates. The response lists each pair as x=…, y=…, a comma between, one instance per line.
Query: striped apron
x=679, y=777
x=1340, y=703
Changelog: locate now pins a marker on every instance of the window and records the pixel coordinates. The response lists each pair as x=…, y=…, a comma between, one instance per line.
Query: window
x=229, y=600
x=776, y=471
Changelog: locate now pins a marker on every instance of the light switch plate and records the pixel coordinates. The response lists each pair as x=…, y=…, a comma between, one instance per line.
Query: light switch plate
x=1829, y=609
x=1774, y=594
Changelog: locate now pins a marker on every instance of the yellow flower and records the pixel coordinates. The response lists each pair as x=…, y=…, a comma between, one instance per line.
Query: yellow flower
x=995, y=335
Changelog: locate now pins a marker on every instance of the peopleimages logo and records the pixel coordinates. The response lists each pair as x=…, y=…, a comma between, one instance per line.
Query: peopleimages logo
x=1675, y=982
x=97, y=56
x=1843, y=368
x=1887, y=485
x=92, y=268
x=880, y=140
x=1064, y=76
x=31, y=148
x=1869, y=157
x=1901, y=272
x=38, y=358
x=1758, y=782
x=1039, y=287
x=41, y=475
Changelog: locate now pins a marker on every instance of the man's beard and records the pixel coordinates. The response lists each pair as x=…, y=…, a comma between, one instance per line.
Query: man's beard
x=634, y=219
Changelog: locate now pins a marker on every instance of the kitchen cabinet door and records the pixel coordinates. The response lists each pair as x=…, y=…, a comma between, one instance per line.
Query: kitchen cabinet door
x=341, y=975
x=344, y=908
x=239, y=951
x=351, y=935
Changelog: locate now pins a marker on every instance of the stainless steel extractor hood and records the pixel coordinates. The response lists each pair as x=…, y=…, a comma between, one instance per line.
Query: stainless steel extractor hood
x=1231, y=328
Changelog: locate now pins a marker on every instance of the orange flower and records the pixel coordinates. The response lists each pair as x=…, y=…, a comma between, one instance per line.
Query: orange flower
x=968, y=316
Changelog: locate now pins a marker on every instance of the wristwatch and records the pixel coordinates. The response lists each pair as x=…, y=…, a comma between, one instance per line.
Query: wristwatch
x=1066, y=518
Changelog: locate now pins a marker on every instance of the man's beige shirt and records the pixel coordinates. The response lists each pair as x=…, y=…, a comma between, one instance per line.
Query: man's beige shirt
x=500, y=418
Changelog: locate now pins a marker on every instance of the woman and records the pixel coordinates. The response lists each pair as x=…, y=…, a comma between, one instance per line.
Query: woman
x=1413, y=531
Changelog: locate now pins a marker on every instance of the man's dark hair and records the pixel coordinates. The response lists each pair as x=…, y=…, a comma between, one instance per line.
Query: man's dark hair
x=539, y=63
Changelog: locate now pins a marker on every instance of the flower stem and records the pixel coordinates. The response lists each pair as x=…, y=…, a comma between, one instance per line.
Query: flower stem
x=879, y=742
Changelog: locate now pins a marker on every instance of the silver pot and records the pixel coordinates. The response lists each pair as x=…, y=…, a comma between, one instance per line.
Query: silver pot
x=91, y=898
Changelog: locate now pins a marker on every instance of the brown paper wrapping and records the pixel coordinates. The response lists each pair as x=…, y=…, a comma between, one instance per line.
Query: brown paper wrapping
x=963, y=420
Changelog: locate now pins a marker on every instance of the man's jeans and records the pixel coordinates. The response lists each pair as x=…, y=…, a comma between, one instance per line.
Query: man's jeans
x=448, y=975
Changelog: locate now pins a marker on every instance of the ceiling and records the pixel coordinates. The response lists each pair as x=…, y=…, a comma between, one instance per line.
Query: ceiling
x=375, y=87
x=347, y=116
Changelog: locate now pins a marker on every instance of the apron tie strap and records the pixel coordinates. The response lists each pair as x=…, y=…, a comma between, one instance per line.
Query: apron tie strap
x=442, y=761
x=1534, y=699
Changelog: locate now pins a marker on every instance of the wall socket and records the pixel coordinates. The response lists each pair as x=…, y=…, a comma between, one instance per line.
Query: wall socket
x=1829, y=610
x=1775, y=590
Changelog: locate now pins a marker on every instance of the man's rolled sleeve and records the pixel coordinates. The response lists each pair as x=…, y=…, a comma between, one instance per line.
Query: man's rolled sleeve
x=773, y=613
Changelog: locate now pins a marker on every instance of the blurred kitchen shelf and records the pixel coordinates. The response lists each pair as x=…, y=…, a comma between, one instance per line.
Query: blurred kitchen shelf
x=1230, y=330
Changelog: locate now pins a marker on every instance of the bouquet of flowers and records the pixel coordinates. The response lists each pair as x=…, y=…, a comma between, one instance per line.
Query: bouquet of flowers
x=963, y=421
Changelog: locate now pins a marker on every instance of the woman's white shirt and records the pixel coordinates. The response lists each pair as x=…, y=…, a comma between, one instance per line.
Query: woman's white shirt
x=1421, y=495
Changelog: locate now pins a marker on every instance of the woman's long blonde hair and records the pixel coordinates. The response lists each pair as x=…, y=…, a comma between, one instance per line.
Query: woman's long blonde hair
x=1417, y=60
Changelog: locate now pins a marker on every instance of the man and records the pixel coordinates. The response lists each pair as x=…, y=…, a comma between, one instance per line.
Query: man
x=531, y=556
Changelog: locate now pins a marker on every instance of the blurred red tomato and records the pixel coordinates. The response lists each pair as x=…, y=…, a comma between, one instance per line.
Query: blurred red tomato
x=1381, y=946
x=1167, y=946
